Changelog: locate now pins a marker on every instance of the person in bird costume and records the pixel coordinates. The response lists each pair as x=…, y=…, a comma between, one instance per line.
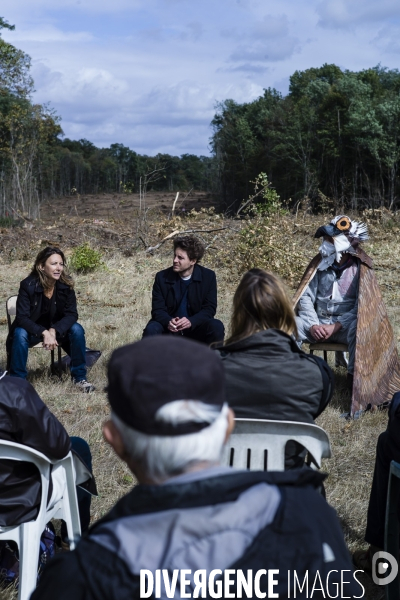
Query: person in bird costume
x=339, y=301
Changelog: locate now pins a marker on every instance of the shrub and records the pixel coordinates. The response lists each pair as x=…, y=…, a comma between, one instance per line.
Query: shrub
x=8, y=222
x=85, y=258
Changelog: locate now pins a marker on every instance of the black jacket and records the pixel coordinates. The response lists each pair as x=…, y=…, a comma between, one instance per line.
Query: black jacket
x=63, y=311
x=202, y=296
x=25, y=419
x=302, y=534
x=269, y=377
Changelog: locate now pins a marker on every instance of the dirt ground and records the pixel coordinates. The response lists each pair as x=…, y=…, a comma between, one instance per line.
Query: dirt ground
x=120, y=206
x=114, y=306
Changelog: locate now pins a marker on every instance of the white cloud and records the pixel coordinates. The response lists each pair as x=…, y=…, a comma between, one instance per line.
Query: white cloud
x=271, y=51
x=49, y=33
x=337, y=14
x=267, y=40
x=388, y=40
x=91, y=6
x=147, y=73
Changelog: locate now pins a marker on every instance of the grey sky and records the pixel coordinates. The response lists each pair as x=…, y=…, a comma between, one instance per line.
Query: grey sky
x=149, y=73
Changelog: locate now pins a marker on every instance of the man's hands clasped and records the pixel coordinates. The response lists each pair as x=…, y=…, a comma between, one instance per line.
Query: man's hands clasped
x=324, y=332
x=178, y=324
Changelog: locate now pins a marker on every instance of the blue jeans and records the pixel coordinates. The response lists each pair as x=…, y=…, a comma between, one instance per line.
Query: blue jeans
x=73, y=343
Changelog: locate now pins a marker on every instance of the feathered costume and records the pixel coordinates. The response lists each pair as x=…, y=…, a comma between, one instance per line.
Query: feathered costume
x=377, y=365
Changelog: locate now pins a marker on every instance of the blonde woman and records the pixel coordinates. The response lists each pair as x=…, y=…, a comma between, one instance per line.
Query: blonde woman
x=46, y=311
x=267, y=375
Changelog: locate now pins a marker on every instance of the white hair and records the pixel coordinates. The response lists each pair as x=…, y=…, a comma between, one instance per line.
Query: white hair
x=161, y=457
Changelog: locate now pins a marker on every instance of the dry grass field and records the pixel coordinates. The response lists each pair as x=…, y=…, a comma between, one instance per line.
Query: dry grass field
x=114, y=305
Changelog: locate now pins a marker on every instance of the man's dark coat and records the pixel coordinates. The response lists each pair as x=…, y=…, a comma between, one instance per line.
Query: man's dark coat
x=25, y=419
x=304, y=536
x=202, y=296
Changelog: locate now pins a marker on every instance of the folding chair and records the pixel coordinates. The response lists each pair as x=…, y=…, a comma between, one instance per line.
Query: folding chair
x=259, y=444
x=326, y=347
x=27, y=535
x=392, y=525
x=11, y=310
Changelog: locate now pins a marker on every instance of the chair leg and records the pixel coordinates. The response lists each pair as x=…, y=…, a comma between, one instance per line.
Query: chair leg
x=70, y=506
x=29, y=559
x=325, y=356
x=311, y=352
x=59, y=366
x=59, y=362
x=52, y=361
x=392, y=526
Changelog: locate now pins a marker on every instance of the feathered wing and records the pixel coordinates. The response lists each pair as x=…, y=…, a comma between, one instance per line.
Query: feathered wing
x=307, y=277
x=377, y=367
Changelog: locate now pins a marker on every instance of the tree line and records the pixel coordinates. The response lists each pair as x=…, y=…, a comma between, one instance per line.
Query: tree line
x=334, y=138
x=335, y=135
x=37, y=162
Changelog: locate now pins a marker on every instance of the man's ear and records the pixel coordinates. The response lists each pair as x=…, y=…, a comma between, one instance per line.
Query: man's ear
x=114, y=438
x=231, y=424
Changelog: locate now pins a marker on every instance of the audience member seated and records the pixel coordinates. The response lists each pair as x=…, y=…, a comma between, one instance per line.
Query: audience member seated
x=169, y=422
x=185, y=296
x=387, y=449
x=267, y=376
x=25, y=419
x=46, y=311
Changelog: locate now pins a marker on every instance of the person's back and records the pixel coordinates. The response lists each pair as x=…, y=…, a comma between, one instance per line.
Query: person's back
x=25, y=419
x=187, y=511
x=267, y=375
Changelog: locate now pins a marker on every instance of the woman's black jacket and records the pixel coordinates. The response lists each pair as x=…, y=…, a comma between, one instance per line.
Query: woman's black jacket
x=63, y=311
x=269, y=377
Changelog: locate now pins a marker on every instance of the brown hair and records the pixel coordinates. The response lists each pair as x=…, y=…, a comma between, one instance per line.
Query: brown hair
x=193, y=247
x=260, y=302
x=40, y=261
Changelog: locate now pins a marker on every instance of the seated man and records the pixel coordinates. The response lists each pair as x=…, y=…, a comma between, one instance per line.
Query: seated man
x=327, y=310
x=185, y=296
x=339, y=301
x=26, y=420
x=169, y=422
x=388, y=449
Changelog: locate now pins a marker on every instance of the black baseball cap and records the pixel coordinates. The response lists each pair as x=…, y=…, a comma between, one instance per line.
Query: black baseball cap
x=146, y=375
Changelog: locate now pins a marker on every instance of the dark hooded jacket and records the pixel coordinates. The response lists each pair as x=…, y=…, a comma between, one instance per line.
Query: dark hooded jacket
x=212, y=519
x=269, y=377
x=25, y=419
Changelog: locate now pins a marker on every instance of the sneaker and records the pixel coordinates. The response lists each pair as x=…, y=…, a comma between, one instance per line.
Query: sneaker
x=84, y=386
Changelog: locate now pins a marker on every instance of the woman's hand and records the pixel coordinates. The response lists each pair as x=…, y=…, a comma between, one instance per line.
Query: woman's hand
x=49, y=339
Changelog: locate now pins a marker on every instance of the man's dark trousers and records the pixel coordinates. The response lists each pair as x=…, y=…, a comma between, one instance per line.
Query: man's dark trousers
x=388, y=449
x=211, y=331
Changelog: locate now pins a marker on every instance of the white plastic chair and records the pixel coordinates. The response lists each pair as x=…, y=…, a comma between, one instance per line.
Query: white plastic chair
x=259, y=444
x=11, y=311
x=27, y=535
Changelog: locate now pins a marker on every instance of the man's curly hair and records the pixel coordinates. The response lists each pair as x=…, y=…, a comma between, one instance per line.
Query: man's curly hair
x=193, y=247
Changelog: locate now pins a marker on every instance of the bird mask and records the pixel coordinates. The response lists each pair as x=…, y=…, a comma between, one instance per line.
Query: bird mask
x=346, y=236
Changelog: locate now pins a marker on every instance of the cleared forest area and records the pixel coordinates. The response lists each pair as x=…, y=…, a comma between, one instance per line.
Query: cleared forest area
x=114, y=304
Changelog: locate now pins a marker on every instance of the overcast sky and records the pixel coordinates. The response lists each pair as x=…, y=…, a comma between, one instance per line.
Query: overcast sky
x=148, y=73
